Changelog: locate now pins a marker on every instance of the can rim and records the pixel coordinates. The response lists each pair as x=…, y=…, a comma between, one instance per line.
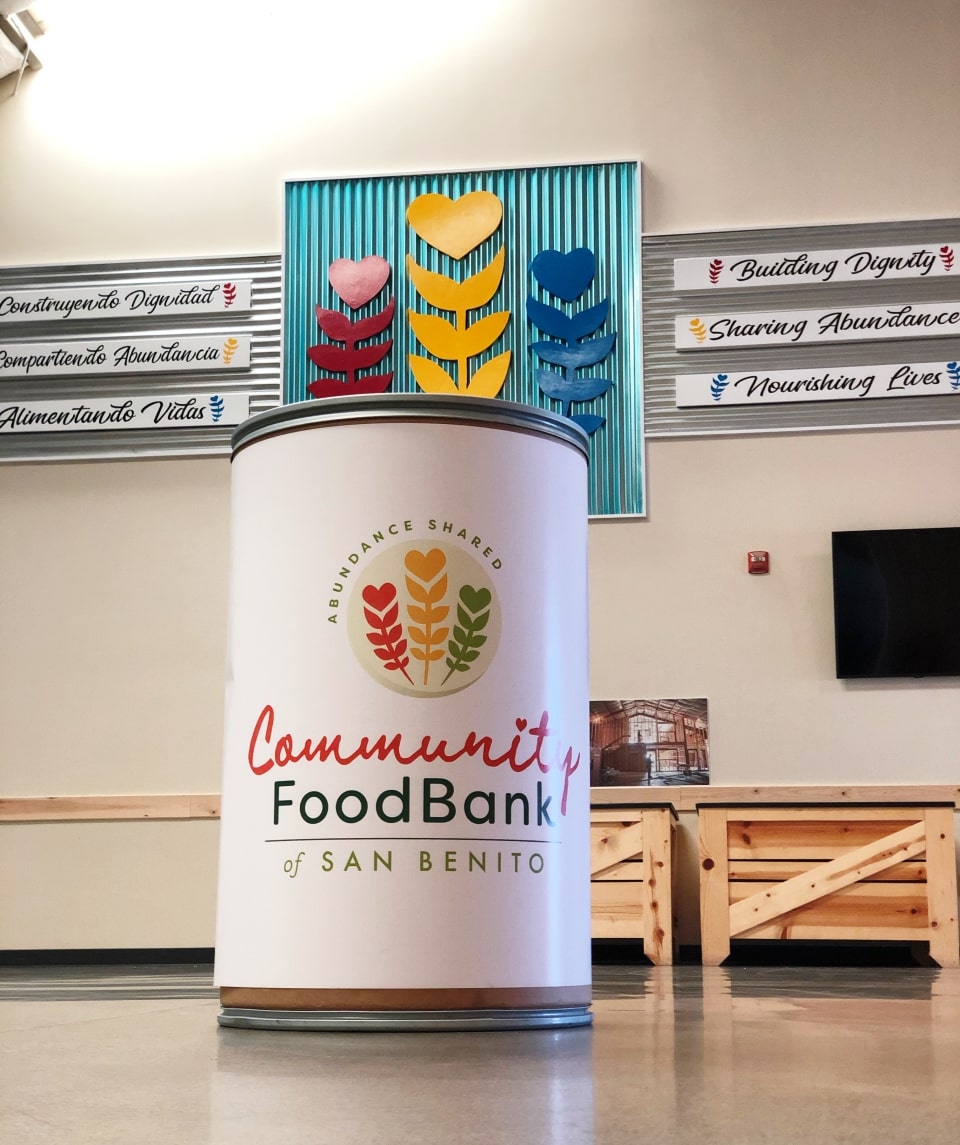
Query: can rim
x=385, y=1021
x=493, y=412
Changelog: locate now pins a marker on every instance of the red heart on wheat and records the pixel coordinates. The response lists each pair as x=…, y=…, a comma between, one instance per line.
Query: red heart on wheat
x=379, y=598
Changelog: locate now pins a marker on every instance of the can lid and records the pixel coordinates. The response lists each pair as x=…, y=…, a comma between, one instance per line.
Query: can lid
x=493, y=412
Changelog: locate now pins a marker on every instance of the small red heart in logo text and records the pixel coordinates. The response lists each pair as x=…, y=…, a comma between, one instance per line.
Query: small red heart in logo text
x=379, y=598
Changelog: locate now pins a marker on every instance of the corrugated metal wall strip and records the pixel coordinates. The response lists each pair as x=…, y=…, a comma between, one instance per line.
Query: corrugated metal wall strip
x=261, y=381
x=661, y=304
x=593, y=205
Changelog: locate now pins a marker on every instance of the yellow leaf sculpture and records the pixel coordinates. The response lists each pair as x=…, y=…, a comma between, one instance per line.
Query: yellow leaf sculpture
x=488, y=380
x=456, y=227
x=431, y=378
x=448, y=294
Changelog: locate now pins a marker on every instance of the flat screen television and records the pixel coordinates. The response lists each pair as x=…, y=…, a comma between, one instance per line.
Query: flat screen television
x=896, y=602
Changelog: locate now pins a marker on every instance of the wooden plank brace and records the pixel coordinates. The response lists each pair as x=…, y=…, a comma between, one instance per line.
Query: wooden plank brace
x=834, y=875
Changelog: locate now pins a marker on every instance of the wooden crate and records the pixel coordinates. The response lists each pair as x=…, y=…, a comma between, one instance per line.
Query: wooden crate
x=631, y=875
x=882, y=871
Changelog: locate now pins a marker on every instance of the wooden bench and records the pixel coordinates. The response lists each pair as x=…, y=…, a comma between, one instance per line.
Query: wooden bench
x=882, y=871
x=631, y=873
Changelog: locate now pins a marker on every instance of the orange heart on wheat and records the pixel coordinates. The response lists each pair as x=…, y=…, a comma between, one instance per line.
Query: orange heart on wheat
x=425, y=566
x=455, y=226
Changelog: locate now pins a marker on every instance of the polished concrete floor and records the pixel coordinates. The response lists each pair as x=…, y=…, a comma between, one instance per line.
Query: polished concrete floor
x=748, y=1055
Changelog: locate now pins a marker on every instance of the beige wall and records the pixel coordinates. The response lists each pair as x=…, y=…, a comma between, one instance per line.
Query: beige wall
x=154, y=136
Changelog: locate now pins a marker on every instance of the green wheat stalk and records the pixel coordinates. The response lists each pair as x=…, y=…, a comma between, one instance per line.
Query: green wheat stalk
x=467, y=640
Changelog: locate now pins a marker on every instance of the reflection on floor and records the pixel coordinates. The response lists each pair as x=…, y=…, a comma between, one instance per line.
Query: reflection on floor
x=748, y=1055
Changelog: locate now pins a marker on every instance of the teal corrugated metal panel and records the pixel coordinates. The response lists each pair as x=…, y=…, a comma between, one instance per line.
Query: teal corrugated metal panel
x=596, y=206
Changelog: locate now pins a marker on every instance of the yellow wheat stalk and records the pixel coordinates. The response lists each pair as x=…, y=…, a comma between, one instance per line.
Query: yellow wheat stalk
x=427, y=585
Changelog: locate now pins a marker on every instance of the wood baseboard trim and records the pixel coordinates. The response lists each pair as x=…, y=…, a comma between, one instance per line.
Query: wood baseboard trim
x=106, y=808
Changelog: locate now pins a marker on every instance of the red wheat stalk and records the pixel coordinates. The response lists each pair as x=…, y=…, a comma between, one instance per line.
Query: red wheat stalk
x=386, y=635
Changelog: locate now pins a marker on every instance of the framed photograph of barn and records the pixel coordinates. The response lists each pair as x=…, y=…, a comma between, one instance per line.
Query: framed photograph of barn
x=648, y=743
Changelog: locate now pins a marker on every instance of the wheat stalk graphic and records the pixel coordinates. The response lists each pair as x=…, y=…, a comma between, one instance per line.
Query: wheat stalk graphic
x=427, y=586
x=382, y=612
x=698, y=329
x=435, y=218
x=229, y=349
x=473, y=613
x=718, y=385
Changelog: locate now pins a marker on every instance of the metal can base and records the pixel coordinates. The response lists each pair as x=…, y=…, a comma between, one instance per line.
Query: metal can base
x=384, y=1021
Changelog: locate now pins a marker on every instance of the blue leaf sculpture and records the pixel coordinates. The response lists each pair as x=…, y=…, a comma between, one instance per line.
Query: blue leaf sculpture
x=573, y=357
x=953, y=369
x=567, y=276
x=571, y=389
x=590, y=422
x=587, y=321
x=551, y=321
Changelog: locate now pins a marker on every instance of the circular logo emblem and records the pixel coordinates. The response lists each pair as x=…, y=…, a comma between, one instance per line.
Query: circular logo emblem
x=424, y=620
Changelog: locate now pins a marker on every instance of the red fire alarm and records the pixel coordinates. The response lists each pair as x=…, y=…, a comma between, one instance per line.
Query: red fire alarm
x=758, y=562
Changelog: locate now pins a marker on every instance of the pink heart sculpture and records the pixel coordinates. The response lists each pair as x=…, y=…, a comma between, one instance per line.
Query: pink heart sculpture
x=358, y=282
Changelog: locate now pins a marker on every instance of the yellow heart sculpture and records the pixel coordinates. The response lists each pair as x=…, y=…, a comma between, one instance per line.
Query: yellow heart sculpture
x=455, y=226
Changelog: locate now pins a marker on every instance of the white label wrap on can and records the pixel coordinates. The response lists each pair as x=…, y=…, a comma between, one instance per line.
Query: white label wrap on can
x=406, y=765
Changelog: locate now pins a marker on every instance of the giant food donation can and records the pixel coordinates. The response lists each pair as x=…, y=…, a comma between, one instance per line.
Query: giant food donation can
x=405, y=809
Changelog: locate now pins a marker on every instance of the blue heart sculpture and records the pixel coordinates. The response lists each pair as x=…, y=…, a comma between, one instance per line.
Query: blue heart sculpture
x=565, y=275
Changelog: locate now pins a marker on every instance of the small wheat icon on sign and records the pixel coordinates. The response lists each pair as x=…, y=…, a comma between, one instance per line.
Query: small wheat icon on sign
x=698, y=330
x=229, y=294
x=216, y=407
x=229, y=349
x=427, y=586
x=946, y=257
x=718, y=385
x=953, y=369
x=716, y=265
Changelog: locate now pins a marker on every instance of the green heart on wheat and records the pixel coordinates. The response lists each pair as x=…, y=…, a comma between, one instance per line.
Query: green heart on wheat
x=473, y=614
x=475, y=598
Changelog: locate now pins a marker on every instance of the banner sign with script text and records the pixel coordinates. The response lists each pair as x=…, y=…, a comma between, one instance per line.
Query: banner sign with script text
x=799, y=268
x=182, y=411
x=109, y=300
x=834, y=324
x=818, y=384
x=124, y=356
